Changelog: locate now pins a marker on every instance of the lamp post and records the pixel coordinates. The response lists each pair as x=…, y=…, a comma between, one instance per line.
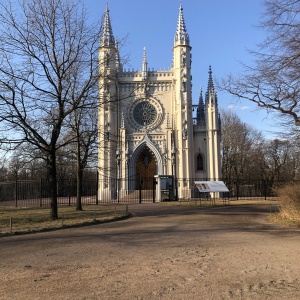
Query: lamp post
x=173, y=161
x=118, y=161
x=173, y=158
x=127, y=160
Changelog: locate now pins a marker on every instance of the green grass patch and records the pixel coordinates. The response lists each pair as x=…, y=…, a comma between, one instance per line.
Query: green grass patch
x=15, y=220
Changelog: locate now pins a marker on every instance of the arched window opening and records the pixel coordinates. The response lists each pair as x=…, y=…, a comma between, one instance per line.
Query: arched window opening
x=199, y=162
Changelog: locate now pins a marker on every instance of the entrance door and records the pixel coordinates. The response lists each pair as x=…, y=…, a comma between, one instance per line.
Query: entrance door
x=145, y=168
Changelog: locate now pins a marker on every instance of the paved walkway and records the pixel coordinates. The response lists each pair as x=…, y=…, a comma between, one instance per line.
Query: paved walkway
x=162, y=252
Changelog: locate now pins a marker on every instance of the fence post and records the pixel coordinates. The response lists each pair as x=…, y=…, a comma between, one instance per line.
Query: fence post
x=140, y=193
x=176, y=188
x=237, y=189
x=16, y=193
x=41, y=191
x=265, y=186
x=154, y=189
x=97, y=184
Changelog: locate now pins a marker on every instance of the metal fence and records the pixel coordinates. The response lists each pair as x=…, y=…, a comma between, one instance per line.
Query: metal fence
x=37, y=192
x=125, y=191
x=239, y=188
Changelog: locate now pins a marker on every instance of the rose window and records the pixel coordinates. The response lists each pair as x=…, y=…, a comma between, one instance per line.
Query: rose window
x=145, y=113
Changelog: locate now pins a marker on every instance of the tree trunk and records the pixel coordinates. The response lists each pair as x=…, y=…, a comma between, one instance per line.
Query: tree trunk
x=79, y=178
x=51, y=164
x=79, y=188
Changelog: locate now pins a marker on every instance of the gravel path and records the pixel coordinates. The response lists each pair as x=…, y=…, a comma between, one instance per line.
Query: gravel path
x=162, y=252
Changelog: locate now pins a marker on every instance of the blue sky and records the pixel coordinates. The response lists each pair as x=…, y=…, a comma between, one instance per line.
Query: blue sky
x=221, y=33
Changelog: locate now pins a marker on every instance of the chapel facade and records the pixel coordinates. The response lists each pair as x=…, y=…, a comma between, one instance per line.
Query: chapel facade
x=148, y=124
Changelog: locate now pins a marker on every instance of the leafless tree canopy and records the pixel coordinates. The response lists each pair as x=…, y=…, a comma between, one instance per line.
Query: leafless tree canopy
x=247, y=154
x=273, y=80
x=48, y=70
x=48, y=65
x=241, y=144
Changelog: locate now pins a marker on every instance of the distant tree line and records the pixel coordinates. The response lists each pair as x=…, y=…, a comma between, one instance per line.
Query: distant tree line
x=247, y=154
x=18, y=167
x=24, y=179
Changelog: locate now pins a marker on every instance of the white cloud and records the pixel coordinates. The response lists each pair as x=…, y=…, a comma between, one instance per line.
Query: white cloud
x=245, y=107
x=231, y=106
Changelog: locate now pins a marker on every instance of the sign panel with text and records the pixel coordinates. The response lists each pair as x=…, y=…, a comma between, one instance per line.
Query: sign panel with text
x=211, y=186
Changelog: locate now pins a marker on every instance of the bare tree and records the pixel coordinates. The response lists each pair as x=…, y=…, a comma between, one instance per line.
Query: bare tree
x=3, y=167
x=280, y=160
x=247, y=154
x=16, y=166
x=273, y=81
x=48, y=65
x=84, y=128
x=241, y=145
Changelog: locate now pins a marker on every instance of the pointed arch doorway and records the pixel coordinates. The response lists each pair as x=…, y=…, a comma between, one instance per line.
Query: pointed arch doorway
x=145, y=169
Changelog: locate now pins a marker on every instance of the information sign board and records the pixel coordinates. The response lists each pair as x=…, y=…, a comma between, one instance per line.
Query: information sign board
x=211, y=186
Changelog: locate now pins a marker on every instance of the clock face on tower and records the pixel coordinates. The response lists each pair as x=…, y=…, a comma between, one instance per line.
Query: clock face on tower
x=145, y=114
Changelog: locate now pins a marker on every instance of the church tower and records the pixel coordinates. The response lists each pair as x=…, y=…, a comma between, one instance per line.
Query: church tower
x=213, y=131
x=148, y=125
x=183, y=119
x=108, y=124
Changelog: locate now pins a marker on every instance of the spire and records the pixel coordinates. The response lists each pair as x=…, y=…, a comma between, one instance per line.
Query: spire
x=118, y=61
x=107, y=37
x=211, y=96
x=144, y=65
x=181, y=36
x=200, y=109
x=122, y=120
x=210, y=86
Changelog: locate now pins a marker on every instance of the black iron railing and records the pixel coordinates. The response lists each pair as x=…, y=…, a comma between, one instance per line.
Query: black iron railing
x=102, y=191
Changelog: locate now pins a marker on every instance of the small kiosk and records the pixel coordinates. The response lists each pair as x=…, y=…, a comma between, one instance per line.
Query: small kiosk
x=165, y=188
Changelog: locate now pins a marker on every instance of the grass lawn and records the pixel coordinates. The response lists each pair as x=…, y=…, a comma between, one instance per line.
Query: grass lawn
x=15, y=220
x=221, y=202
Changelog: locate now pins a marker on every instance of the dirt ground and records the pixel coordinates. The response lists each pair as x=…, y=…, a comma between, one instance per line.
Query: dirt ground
x=161, y=252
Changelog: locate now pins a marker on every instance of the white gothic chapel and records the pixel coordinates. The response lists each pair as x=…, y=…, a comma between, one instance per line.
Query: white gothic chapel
x=148, y=125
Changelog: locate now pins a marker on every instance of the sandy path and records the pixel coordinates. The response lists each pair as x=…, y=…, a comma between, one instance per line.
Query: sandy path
x=162, y=252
